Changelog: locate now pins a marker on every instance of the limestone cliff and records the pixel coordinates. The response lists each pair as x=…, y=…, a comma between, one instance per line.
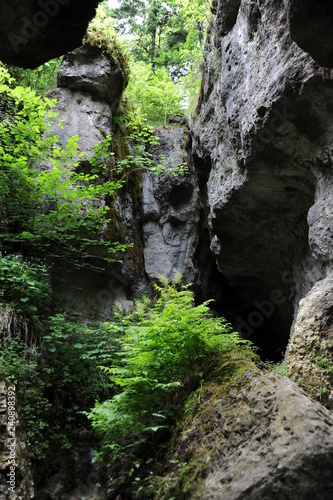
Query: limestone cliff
x=263, y=156
x=249, y=224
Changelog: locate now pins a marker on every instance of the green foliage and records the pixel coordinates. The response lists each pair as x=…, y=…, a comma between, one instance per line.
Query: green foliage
x=165, y=353
x=280, y=368
x=19, y=366
x=156, y=27
x=166, y=42
x=154, y=95
x=72, y=352
x=69, y=219
x=41, y=79
x=59, y=210
x=24, y=286
x=141, y=138
x=51, y=381
x=21, y=128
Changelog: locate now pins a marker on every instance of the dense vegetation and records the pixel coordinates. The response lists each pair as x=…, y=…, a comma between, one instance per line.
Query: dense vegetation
x=159, y=355
x=165, y=41
x=128, y=378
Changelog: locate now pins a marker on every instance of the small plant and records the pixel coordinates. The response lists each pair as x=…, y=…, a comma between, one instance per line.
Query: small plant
x=320, y=362
x=280, y=368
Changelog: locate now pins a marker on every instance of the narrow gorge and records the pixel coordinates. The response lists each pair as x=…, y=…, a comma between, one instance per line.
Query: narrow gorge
x=249, y=225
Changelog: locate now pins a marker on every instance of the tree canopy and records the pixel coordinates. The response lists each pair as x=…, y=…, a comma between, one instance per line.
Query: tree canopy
x=165, y=41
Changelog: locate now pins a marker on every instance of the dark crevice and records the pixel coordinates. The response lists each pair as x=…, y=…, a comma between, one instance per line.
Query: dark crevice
x=202, y=169
x=258, y=320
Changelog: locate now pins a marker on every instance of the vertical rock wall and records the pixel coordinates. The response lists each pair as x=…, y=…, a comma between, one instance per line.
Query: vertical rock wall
x=262, y=149
x=170, y=210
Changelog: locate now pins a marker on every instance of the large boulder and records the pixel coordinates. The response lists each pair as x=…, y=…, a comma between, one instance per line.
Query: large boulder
x=260, y=438
x=34, y=31
x=310, y=352
x=89, y=69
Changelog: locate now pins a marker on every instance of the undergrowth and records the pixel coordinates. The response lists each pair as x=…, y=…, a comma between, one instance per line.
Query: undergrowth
x=164, y=353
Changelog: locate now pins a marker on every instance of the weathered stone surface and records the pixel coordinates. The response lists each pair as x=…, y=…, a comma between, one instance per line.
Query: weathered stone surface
x=262, y=148
x=83, y=115
x=310, y=352
x=170, y=211
x=227, y=15
x=88, y=69
x=265, y=440
x=34, y=31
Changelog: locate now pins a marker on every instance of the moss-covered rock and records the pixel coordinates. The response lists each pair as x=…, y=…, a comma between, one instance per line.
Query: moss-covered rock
x=99, y=67
x=256, y=436
x=310, y=352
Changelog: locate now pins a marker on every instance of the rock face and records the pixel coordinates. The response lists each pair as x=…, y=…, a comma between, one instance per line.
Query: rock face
x=34, y=31
x=262, y=153
x=85, y=110
x=266, y=440
x=83, y=115
x=310, y=352
x=170, y=211
x=163, y=225
x=89, y=70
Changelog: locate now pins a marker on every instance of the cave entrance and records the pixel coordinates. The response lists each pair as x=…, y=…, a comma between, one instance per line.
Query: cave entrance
x=263, y=318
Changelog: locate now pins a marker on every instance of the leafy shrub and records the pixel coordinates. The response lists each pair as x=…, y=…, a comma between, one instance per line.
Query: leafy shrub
x=24, y=285
x=70, y=355
x=71, y=213
x=58, y=211
x=19, y=366
x=153, y=94
x=163, y=355
x=41, y=79
x=51, y=381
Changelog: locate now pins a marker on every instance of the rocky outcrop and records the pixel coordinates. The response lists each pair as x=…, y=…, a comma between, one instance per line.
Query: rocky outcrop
x=34, y=31
x=170, y=210
x=310, y=352
x=90, y=70
x=260, y=438
x=82, y=115
x=262, y=152
x=157, y=214
x=84, y=109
